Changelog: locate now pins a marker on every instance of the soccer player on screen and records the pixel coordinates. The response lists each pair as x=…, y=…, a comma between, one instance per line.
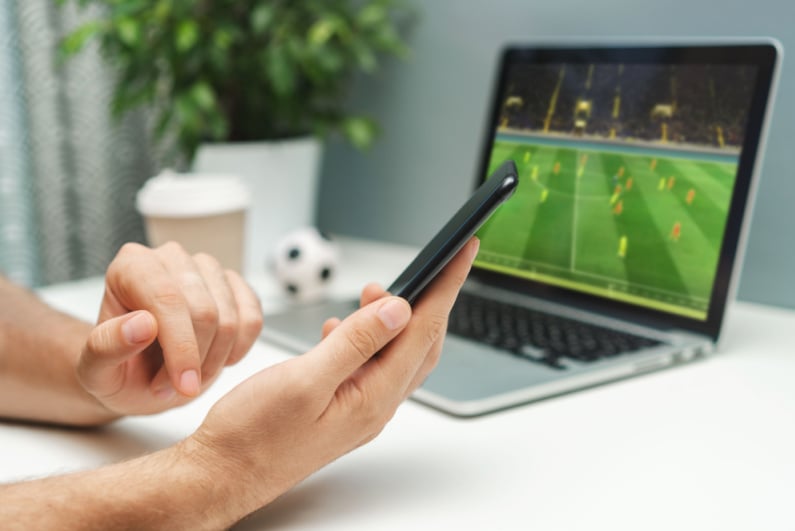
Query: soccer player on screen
x=676, y=231
x=622, y=247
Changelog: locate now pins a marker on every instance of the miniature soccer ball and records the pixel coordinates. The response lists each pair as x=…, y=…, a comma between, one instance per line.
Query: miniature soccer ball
x=305, y=263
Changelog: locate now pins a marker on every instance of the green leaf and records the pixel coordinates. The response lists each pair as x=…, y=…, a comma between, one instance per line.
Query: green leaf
x=321, y=31
x=280, y=70
x=388, y=39
x=75, y=41
x=133, y=9
x=162, y=10
x=164, y=122
x=330, y=60
x=222, y=39
x=371, y=15
x=131, y=95
x=188, y=115
x=218, y=126
x=365, y=57
x=262, y=17
x=129, y=31
x=187, y=35
x=360, y=131
x=203, y=96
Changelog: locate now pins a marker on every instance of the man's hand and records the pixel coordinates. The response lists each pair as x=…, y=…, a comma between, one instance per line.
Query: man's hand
x=289, y=420
x=169, y=322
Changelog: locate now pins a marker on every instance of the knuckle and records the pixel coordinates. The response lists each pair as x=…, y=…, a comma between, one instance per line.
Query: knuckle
x=434, y=327
x=234, y=276
x=183, y=349
x=124, y=260
x=237, y=354
x=227, y=329
x=205, y=314
x=252, y=324
x=131, y=248
x=96, y=342
x=168, y=296
x=172, y=246
x=208, y=260
x=363, y=342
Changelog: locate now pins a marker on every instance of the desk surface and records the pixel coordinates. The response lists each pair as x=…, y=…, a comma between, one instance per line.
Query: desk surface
x=707, y=445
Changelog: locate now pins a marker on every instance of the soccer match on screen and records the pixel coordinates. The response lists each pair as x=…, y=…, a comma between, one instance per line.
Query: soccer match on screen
x=626, y=175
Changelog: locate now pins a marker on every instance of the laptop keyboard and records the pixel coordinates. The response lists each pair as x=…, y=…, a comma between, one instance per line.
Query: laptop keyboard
x=538, y=336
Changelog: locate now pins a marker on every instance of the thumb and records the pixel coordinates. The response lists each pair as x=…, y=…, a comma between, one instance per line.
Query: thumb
x=109, y=345
x=357, y=339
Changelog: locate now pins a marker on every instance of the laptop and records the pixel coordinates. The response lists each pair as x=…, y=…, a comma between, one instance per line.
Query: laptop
x=620, y=249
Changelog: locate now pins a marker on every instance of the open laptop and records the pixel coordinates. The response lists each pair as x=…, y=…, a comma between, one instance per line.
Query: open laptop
x=621, y=246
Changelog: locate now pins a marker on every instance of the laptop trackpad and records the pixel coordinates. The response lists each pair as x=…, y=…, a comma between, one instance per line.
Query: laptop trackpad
x=473, y=371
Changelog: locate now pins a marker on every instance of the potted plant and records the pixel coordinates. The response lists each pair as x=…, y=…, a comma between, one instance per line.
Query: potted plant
x=227, y=78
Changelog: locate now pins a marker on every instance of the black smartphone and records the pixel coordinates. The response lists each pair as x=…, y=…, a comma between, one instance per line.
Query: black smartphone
x=456, y=232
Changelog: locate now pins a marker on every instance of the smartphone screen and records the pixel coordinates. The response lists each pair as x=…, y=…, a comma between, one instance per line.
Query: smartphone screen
x=456, y=232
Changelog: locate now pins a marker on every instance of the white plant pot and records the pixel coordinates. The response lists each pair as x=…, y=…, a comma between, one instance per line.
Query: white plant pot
x=283, y=179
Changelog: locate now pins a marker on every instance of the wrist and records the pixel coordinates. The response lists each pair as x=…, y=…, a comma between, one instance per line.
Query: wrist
x=232, y=487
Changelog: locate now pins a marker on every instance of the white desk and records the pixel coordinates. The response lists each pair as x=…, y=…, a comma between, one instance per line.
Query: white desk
x=710, y=445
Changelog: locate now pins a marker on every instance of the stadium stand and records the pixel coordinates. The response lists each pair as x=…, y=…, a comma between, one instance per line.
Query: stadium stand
x=701, y=105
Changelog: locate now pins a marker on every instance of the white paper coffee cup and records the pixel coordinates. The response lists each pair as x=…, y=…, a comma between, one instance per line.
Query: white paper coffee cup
x=203, y=212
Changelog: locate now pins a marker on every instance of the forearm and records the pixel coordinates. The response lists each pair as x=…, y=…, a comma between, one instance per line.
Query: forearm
x=176, y=488
x=39, y=347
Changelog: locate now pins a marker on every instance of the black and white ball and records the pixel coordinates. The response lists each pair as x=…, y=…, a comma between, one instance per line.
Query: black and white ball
x=305, y=263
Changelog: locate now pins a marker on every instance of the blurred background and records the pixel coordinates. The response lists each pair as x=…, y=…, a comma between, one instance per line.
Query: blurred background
x=68, y=173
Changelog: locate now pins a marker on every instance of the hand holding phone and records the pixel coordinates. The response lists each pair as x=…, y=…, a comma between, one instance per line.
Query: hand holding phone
x=456, y=232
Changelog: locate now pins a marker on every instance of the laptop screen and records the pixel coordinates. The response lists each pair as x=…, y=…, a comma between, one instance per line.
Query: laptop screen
x=630, y=170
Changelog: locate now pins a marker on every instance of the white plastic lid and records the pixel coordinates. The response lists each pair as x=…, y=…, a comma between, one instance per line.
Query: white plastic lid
x=182, y=195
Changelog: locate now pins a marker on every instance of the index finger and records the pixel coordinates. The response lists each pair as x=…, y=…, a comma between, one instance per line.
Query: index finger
x=137, y=281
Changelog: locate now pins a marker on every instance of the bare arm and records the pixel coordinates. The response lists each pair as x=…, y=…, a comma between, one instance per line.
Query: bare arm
x=39, y=350
x=176, y=488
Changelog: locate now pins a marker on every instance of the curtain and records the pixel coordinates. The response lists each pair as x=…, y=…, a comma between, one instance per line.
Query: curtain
x=68, y=171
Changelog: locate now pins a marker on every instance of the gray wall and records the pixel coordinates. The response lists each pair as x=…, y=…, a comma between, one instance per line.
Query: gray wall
x=433, y=107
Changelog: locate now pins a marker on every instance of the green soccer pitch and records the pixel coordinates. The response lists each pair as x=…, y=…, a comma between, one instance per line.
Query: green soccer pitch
x=643, y=228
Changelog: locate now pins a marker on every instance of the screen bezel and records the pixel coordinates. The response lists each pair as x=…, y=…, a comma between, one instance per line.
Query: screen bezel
x=763, y=54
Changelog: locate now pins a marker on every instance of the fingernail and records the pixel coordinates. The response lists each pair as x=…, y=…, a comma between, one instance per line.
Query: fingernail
x=189, y=382
x=393, y=314
x=137, y=329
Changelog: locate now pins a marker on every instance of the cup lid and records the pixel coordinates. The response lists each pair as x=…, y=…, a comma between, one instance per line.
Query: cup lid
x=179, y=195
